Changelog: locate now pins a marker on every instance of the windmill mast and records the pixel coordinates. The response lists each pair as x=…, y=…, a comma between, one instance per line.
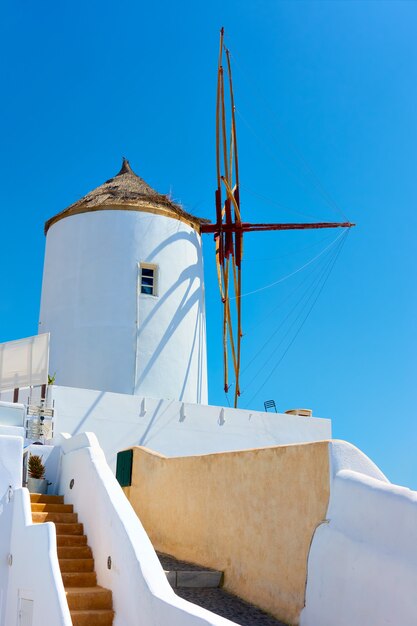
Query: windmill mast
x=228, y=229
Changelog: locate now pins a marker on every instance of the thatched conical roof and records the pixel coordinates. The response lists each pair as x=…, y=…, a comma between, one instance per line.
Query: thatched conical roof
x=127, y=191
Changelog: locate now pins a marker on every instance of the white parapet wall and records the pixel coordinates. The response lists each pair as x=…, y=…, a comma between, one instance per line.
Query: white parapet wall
x=35, y=581
x=30, y=579
x=10, y=479
x=174, y=428
x=12, y=414
x=13, y=431
x=362, y=567
x=125, y=560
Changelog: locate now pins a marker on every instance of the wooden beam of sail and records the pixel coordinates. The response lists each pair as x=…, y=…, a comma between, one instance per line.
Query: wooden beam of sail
x=246, y=227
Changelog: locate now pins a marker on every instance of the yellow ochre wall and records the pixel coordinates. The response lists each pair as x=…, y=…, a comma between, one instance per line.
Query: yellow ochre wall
x=251, y=514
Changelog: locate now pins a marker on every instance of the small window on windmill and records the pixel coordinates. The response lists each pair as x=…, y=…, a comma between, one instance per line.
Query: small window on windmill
x=148, y=279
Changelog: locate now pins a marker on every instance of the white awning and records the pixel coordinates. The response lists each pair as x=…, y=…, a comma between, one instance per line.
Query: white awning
x=24, y=363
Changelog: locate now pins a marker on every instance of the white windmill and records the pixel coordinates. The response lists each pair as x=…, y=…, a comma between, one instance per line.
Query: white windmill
x=123, y=293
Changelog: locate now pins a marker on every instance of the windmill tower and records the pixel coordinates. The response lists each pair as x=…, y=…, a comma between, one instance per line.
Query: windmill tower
x=123, y=293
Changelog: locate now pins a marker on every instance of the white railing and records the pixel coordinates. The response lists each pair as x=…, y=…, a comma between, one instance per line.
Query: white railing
x=39, y=422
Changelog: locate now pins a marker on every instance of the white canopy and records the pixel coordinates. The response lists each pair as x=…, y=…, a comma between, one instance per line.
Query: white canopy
x=24, y=363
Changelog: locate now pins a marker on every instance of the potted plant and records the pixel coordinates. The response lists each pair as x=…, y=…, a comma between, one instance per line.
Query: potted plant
x=37, y=482
x=51, y=379
x=46, y=389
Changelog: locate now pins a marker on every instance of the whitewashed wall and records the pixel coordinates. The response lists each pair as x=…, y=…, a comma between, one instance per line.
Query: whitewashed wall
x=35, y=574
x=29, y=566
x=12, y=414
x=346, y=456
x=10, y=479
x=174, y=428
x=14, y=431
x=141, y=592
x=106, y=336
x=362, y=567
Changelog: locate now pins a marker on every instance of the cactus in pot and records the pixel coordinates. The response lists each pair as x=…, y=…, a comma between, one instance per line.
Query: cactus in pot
x=37, y=482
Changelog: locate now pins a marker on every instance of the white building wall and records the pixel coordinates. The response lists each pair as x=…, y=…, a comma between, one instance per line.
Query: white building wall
x=14, y=431
x=29, y=569
x=35, y=575
x=12, y=414
x=174, y=428
x=362, y=566
x=10, y=479
x=106, y=335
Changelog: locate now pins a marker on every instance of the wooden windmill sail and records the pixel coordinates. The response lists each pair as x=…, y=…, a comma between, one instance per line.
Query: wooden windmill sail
x=229, y=228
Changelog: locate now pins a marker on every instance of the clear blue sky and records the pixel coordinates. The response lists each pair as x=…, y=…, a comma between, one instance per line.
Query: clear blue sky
x=84, y=83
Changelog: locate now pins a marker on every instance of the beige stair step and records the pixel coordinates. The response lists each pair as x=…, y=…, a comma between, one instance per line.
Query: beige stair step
x=40, y=497
x=58, y=518
x=74, y=552
x=83, y=598
x=203, y=579
x=76, y=565
x=92, y=618
x=70, y=540
x=79, y=579
x=89, y=604
x=69, y=529
x=45, y=507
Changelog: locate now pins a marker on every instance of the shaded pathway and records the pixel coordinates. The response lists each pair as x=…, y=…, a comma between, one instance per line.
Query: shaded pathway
x=216, y=599
x=229, y=606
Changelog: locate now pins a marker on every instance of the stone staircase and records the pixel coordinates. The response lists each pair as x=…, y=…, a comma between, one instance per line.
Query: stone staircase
x=202, y=586
x=181, y=574
x=89, y=604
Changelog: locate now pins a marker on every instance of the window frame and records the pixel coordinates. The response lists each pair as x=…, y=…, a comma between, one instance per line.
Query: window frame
x=141, y=285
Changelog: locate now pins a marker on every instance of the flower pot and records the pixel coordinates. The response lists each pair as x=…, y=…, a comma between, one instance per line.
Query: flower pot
x=38, y=485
